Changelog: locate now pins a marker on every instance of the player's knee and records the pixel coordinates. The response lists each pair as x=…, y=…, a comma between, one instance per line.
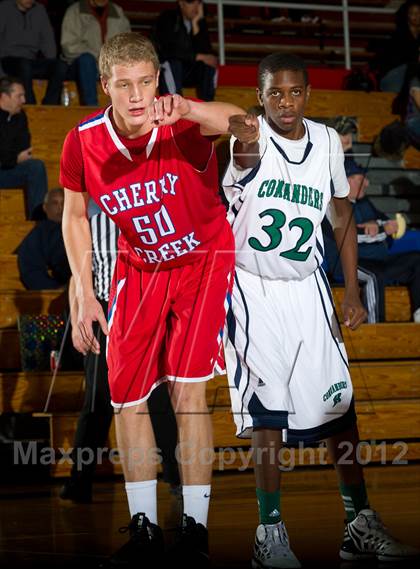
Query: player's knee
x=129, y=415
x=188, y=397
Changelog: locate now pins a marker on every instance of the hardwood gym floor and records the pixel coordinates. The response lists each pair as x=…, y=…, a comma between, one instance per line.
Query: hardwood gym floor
x=37, y=529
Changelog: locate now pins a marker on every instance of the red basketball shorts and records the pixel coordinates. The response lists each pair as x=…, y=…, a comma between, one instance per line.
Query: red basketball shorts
x=167, y=325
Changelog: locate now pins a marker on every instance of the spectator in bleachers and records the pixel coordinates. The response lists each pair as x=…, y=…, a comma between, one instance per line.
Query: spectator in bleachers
x=374, y=233
x=185, y=51
x=407, y=104
x=42, y=256
x=28, y=49
x=396, y=137
x=346, y=128
x=87, y=24
x=403, y=47
x=18, y=169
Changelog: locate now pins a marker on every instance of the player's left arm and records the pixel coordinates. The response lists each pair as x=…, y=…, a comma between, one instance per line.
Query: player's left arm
x=346, y=238
x=213, y=117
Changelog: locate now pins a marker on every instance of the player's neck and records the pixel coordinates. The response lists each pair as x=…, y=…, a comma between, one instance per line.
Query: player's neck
x=127, y=130
x=296, y=134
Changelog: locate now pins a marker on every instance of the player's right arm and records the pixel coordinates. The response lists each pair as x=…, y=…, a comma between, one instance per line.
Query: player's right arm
x=78, y=242
x=76, y=336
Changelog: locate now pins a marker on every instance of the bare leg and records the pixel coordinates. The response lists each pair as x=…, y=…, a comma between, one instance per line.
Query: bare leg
x=266, y=444
x=135, y=440
x=343, y=452
x=195, y=433
x=195, y=455
x=349, y=471
x=136, y=444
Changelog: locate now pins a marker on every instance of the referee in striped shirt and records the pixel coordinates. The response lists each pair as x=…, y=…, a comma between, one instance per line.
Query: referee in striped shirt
x=97, y=412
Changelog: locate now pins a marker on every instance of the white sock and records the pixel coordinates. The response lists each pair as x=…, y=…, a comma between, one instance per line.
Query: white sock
x=416, y=316
x=196, y=502
x=141, y=497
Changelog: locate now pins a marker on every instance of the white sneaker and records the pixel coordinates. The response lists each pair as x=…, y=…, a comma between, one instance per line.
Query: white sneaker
x=366, y=536
x=272, y=549
x=416, y=316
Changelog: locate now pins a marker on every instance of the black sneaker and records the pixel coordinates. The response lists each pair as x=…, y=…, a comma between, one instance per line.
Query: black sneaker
x=191, y=549
x=143, y=549
x=76, y=491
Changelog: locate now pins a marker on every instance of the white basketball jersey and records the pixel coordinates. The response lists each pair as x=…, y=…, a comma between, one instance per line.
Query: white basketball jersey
x=277, y=207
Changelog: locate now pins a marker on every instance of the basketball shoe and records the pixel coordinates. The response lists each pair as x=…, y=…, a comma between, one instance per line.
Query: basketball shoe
x=191, y=548
x=272, y=549
x=366, y=536
x=145, y=545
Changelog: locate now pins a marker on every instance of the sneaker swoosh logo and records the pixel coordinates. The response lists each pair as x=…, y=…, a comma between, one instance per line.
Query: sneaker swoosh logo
x=206, y=495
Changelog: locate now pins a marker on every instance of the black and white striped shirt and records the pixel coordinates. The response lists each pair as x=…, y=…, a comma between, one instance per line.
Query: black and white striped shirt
x=105, y=246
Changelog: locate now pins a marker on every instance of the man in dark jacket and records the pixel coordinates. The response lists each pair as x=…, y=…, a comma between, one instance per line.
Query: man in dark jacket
x=185, y=51
x=28, y=50
x=17, y=167
x=42, y=257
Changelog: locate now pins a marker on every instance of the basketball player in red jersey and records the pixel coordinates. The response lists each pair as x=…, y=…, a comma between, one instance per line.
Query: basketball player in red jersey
x=150, y=165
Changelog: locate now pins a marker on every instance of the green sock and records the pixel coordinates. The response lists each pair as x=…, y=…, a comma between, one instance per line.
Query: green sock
x=354, y=498
x=268, y=506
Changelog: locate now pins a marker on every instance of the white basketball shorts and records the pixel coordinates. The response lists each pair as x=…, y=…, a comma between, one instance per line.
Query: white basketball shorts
x=285, y=358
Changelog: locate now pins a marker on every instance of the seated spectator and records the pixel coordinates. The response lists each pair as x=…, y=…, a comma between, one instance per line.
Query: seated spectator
x=346, y=128
x=402, y=48
x=375, y=231
x=395, y=138
x=407, y=104
x=185, y=51
x=28, y=49
x=42, y=257
x=86, y=25
x=17, y=167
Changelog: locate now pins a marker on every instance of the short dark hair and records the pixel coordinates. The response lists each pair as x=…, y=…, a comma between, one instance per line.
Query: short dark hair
x=51, y=193
x=7, y=82
x=279, y=61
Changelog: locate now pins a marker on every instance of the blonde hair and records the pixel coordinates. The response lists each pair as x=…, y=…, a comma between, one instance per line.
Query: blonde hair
x=130, y=48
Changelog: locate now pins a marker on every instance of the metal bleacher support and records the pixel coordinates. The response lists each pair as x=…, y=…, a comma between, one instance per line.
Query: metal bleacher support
x=342, y=7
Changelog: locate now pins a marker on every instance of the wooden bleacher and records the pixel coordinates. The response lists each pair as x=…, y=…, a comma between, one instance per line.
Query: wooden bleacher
x=13, y=233
x=385, y=358
x=49, y=125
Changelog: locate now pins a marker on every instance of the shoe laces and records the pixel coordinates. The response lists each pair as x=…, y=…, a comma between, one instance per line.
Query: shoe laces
x=193, y=534
x=138, y=527
x=188, y=526
x=276, y=541
x=375, y=524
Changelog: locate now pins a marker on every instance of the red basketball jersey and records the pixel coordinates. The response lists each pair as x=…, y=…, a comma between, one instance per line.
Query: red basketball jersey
x=167, y=209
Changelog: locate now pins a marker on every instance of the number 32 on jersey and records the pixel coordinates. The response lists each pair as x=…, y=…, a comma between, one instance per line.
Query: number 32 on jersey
x=274, y=232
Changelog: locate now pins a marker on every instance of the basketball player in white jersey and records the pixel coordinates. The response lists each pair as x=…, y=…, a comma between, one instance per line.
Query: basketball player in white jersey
x=286, y=361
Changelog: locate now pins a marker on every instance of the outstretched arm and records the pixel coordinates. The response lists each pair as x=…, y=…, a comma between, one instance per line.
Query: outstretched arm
x=213, y=117
x=346, y=239
x=78, y=242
